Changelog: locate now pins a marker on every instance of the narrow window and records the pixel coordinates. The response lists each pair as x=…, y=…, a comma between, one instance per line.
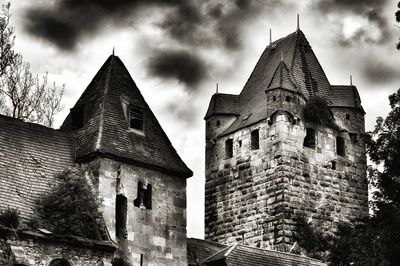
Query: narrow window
x=240, y=143
x=143, y=198
x=288, y=99
x=333, y=165
x=141, y=259
x=147, y=197
x=228, y=148
x=218, y=123
x=136, y=118
x=309, y=140
x=340, y=146
x=255, y=140
x=274, y=98
x=120, y=216
x=77, y=116
x=348, y=116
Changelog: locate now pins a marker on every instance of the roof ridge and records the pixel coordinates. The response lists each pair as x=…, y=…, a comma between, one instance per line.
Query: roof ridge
x=105, y=94
x=27, y=124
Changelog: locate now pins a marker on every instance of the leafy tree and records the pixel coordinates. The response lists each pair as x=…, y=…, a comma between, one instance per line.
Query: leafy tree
x=317, y=111
x=71, y=208
x=23, y=95
x=398, y=21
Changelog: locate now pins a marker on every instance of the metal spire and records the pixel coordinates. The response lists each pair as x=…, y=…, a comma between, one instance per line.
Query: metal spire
x=113, y=50
x=351, y=80
x=298, y=21
x=270, y=35
x=217, y=89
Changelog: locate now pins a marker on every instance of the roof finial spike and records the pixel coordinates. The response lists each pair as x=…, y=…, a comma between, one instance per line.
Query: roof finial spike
x=351, y=80
x=217, y=89
x=282, y=56
x=270, y=35
x=113, y=51
x=298, y=21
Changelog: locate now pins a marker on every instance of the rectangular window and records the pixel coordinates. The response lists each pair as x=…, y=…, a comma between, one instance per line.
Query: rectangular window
x=309, y=140
x=121, y=209
x=255, y=139
x=228, y=148
x=340, y=146
x=136, y=118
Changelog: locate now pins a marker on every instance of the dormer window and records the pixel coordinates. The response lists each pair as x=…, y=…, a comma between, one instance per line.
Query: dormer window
x=77, y=117
x=136, y=118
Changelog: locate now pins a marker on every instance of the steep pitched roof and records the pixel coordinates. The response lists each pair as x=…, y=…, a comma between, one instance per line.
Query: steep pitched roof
x=223, y=104
x=289, y=62
x=241, y=255
x=30, y=156
x=105, y=130
x=345, y=96
x=282, y=79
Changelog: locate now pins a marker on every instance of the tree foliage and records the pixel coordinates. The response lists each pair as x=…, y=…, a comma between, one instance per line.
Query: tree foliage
x=71, y=208
x=317, y=111
x=23, y=95
x=398, y=21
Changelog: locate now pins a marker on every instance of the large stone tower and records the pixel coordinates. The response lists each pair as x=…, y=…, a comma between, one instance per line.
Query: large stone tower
x=266, y=163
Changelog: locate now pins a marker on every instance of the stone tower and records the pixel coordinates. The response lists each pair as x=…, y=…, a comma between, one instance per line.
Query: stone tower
x=133, y=167
x=266, y=164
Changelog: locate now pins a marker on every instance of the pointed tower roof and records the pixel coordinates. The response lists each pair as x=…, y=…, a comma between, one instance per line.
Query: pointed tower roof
x=289, y=62
x=282, y=79
x=102, y=113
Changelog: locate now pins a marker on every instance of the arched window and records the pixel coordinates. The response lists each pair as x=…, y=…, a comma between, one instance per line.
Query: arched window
x=59, y=262
x=121, y=209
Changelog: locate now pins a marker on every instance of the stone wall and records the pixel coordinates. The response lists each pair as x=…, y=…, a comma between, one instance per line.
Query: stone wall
x=254, y=196
x=155, y=236
x=40, y=251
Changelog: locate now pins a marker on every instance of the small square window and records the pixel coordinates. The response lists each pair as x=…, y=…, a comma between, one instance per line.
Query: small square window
x=218, y=123
x=136, y=118
x=288, y=99
x=347, y=116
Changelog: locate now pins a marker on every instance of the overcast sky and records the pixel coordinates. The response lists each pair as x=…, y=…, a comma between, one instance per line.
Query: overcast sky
x=177, y=50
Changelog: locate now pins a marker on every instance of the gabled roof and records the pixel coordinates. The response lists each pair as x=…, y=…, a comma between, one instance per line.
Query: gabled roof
x=345, y=96
x=105, y=131
x=241, y=255
x=30, y=156
x=223, y=104
x=289, y=63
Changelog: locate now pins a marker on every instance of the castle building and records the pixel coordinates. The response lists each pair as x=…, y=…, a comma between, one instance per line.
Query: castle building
x=267, y=162
x=112, y=135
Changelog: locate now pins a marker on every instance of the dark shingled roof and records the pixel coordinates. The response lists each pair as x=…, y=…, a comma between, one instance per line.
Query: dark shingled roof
x=345, y=96
x=30, y=156
x=198, y=250
x=241, y=255
x=288, y=63
x=223, y=104
x=105, y=131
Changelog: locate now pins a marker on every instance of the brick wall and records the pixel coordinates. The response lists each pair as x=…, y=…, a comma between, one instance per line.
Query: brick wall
x=156, y=236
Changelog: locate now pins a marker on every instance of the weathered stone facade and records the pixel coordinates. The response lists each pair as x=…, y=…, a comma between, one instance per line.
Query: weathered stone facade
x=35, y=249
x=253, y=192
x=155, y=236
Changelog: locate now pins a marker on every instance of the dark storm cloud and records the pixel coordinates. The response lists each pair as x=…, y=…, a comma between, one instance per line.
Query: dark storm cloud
x=369, y=9
x=377, y=72
x=180, y=65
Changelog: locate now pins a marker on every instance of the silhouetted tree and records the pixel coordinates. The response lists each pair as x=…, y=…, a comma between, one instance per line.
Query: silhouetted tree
x=23, y=95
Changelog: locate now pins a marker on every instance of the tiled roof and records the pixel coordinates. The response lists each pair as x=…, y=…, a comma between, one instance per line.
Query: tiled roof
x=288, y=62
x=223, y=104
x=241, y=255
x=30, y=156
x=105, y=129
x=345, y=96
x=198, y=250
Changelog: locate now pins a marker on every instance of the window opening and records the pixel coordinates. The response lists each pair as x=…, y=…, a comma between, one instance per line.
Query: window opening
x=333, y=165
x=240, y=143
x=121, y=209
x=136, y=118
x=340, y=146
x=274, y=98
x=143, y=198
x=309, y=140
x=218, y=123
x=228, y=148
x=77, y=117
x=141, y=259
x=288, y=99
x=255, y=140
x=347, y=116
